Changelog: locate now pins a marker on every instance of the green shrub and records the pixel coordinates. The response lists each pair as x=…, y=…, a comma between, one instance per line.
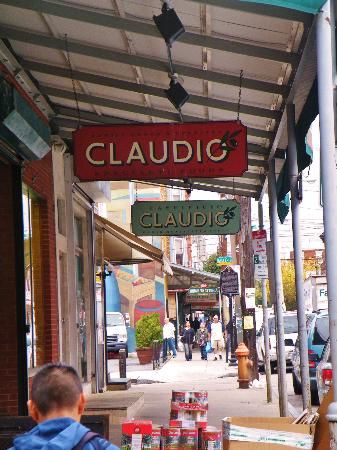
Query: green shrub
x=148, y=329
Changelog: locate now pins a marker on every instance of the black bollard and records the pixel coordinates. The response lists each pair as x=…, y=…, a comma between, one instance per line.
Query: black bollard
x=122, y=363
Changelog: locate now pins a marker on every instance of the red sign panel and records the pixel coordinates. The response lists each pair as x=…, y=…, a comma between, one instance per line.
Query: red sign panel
x=154, y=151
x=259, y=234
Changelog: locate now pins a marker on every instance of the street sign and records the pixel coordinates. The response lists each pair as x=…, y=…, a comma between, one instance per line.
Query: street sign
x=250, y=298
x=224, y=260
x=160, y=151
x=259, y=241
x=260, y=259
x=177, y=218
x=202, y=291
x=229, y=282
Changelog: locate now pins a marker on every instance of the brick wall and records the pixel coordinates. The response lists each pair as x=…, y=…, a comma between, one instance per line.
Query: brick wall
x=8, y=334
x=38, y=175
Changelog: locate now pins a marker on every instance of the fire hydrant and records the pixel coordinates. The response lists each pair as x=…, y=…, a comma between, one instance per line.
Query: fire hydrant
x=244, y=366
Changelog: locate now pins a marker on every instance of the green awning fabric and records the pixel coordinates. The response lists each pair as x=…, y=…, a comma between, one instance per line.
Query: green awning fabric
x=308, y=6
x=304, y=152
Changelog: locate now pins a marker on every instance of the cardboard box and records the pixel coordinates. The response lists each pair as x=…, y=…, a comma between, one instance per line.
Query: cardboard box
x=266, y=433
x=322, y=433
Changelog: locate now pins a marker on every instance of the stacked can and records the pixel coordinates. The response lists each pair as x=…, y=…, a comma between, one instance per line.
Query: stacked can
x=211, y=439
x=171, y=438
x=189, y=409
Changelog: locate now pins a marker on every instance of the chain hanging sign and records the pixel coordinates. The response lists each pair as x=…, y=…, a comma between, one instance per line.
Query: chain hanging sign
x=159, y=151
x=185, y=218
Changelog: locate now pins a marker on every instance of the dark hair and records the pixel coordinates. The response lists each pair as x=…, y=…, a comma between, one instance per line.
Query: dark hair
x=55, y=386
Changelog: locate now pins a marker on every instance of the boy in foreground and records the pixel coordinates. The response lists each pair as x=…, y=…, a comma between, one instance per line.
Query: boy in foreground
x=57, y=403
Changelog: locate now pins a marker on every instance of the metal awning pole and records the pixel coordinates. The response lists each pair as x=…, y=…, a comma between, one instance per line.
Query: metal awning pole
x=326, y=71
x=295, y=210
x=265, y=323
x=282, y=374
x=177, y=315
x=220, y=307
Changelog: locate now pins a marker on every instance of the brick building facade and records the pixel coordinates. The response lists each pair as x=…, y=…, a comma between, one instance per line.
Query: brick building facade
x=37, y=176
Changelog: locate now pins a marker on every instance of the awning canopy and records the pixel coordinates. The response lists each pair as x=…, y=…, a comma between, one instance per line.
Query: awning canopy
x=186, y=277
x=108, y=63
x=122, y=247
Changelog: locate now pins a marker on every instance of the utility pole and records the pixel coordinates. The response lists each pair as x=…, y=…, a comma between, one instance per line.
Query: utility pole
x=265, y=323
x=281, y=360
x=326, y=73
x=295, y=210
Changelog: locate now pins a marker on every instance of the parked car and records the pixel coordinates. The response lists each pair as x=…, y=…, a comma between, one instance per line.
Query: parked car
x=116, y=332
x=324, y=372
x=318, y=334
x=290, y=336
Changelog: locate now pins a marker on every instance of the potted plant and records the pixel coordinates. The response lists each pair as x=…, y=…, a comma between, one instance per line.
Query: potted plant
x=148, y=329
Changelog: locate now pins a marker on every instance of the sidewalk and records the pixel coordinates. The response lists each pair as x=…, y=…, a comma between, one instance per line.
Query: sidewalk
x=225, y=399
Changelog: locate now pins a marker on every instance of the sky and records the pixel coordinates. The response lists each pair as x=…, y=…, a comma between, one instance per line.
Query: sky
x=212, y=241
x=311, y=213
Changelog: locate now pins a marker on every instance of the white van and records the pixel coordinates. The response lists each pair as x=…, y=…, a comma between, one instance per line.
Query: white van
x=116, y=332
x=290, y=336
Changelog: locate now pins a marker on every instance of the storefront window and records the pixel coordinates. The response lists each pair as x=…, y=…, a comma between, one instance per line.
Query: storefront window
x=80, y=298
x=33, y=278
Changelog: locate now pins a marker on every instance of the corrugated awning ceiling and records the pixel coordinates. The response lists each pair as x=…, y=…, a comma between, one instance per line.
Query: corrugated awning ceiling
x=115, y=58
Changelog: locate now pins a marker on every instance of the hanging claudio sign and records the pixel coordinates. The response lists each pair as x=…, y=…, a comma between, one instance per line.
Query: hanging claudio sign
x=154, y=151
x=185, y=218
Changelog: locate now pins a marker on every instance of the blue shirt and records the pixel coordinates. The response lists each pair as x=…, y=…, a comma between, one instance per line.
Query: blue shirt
x=56, y=434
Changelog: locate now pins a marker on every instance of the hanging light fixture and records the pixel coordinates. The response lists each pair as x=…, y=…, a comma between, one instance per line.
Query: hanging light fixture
x=169, y=24
x=170, y=27
x=176, y=94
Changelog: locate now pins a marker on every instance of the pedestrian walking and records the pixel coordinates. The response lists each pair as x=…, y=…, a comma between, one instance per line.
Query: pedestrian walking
x=187, y=339
x=169, y=338
x=196, y=325
x=201, y=338
x=56, y=404
x=216, y=336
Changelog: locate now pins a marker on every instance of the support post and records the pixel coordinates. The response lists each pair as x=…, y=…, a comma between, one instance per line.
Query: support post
x=232, y=359
x=326, y=70
x=122, y=363
x=297, y=245
x=177, y=315
x=220, y=308
x=265, y=323
x=281, y=362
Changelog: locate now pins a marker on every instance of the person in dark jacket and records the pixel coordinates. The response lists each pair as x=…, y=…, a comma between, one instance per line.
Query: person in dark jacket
x=57, y=403
x=201, y=338
x=187, y=339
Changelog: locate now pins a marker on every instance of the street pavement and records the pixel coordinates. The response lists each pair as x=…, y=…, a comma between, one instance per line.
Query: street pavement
x=225, y=398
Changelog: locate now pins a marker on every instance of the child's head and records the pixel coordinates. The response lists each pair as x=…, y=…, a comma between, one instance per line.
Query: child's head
x=56, y=392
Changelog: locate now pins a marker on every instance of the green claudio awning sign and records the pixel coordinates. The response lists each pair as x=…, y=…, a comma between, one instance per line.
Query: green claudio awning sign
x=185, y=218
x=309, y=6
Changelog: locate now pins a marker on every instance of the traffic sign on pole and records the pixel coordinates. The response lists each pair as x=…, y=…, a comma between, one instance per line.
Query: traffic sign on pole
x=224, y=260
